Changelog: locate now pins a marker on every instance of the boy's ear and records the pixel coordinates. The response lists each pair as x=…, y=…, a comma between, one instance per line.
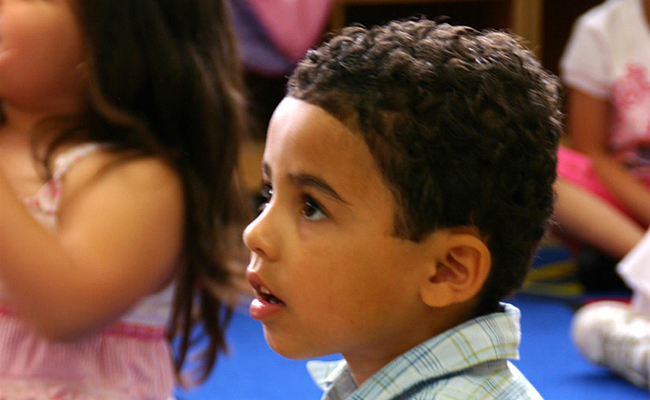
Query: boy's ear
x=460, y=266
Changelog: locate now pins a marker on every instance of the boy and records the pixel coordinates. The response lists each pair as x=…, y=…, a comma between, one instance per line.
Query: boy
x=408, y=176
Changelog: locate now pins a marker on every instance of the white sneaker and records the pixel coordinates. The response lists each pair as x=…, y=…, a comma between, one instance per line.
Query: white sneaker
x=610, y=334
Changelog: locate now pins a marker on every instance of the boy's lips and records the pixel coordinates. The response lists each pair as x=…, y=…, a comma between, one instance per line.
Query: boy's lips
x=263, y=293
x=265, y=304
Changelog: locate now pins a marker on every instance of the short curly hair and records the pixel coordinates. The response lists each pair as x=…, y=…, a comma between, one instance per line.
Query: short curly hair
x=464, y=126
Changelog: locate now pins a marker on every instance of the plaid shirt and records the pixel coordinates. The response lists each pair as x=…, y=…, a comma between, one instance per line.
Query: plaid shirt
x=466, y=362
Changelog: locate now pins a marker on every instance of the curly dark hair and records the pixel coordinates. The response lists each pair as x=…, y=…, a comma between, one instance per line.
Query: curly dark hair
x=464, y=126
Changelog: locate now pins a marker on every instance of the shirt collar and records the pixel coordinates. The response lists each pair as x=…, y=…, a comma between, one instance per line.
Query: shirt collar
x=487, y=338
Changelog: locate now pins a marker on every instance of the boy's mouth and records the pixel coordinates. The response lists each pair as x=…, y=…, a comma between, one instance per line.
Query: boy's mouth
x=264, y=294
x=261, y=291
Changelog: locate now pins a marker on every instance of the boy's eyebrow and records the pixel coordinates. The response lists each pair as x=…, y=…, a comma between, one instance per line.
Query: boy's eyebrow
x=316, y=183
x=307, y=180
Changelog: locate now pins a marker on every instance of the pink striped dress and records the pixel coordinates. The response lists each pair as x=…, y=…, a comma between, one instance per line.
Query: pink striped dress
x=128, y=360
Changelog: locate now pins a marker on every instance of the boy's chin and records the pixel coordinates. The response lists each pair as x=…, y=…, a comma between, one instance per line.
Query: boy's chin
x=288, y=348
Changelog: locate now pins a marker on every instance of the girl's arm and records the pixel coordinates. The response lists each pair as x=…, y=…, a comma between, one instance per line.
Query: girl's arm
x=588, y=125
x=119, y=239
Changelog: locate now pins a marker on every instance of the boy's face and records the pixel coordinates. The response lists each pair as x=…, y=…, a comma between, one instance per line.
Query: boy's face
x=329, y=274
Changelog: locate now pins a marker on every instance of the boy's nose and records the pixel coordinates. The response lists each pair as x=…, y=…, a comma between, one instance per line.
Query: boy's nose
x=258, y=235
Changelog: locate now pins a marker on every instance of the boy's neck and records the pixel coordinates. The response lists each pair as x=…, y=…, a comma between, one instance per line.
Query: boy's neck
x=365, y=365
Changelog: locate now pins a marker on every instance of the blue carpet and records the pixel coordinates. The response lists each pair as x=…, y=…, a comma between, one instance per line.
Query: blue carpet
x=254, y=372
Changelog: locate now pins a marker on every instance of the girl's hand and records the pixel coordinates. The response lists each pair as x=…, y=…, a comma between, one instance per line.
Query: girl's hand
x=588, y=124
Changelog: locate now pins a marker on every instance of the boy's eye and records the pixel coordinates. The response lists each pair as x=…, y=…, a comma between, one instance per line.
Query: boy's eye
x=264, y=197
x=312, y=210
x=266, y=192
